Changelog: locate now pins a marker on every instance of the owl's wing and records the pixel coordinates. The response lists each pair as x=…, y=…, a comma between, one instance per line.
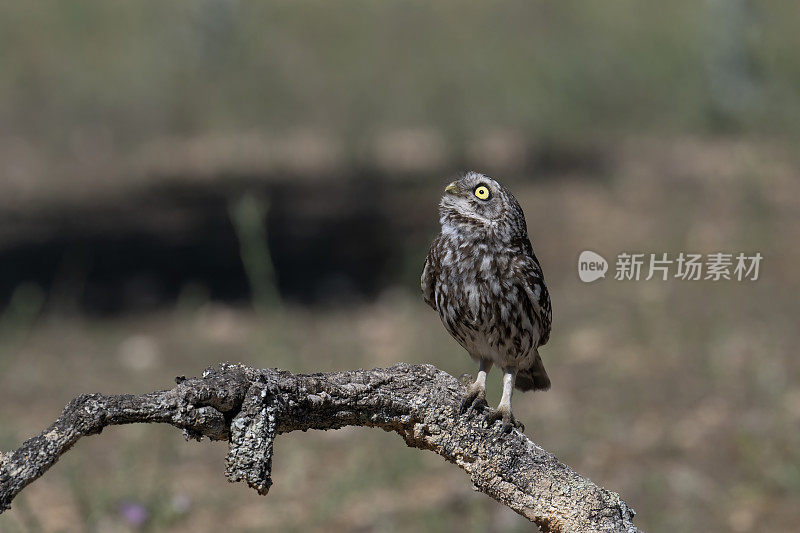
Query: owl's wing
x=429, y=274
x=530, y=272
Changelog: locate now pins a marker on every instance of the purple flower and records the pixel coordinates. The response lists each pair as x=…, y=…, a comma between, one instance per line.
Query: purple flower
x=133, y=513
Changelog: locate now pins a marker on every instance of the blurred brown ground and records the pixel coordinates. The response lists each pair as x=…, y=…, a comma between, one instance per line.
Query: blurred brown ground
x=682, y=396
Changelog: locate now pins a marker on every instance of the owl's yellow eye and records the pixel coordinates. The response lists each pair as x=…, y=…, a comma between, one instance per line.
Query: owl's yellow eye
x=482, y=192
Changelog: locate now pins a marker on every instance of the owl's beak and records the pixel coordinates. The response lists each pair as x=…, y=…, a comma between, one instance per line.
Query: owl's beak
x=452, y=188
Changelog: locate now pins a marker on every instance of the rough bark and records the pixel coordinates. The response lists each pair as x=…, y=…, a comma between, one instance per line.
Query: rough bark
x=249, y=407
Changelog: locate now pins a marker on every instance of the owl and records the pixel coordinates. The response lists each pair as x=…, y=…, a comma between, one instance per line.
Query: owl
x=484, y=280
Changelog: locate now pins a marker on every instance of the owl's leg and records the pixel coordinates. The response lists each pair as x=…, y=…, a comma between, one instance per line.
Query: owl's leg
x=475, y=398
x=504, y=408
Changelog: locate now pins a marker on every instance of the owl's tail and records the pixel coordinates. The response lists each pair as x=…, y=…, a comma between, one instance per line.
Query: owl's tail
x=533, y=378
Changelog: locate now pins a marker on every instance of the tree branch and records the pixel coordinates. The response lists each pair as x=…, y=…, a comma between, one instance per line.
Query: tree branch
x=249, y=407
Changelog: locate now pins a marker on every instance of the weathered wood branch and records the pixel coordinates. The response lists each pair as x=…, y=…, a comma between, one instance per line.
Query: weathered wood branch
x=249, y=407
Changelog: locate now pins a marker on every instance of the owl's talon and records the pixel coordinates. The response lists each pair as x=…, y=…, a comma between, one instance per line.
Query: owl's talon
x=478, y=404
x=514, y=423
x=509, y=421
x=474, y=400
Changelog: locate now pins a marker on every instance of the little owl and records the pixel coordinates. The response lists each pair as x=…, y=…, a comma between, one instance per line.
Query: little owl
x=483, y=278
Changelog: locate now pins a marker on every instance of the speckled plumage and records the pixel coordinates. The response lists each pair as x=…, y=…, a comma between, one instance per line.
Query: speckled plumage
x=483, y=278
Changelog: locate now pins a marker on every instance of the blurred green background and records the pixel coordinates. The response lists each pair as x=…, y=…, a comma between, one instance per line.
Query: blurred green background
x=188, y=183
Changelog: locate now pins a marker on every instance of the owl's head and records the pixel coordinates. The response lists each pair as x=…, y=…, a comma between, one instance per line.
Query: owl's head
x=475, y=202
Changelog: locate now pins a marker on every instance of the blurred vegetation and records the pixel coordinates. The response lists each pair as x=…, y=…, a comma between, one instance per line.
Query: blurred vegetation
x=128, y=71
x=163, y=162
x=248, y=215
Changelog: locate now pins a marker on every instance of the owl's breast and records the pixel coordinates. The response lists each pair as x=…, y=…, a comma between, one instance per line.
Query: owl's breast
x=482, y=305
